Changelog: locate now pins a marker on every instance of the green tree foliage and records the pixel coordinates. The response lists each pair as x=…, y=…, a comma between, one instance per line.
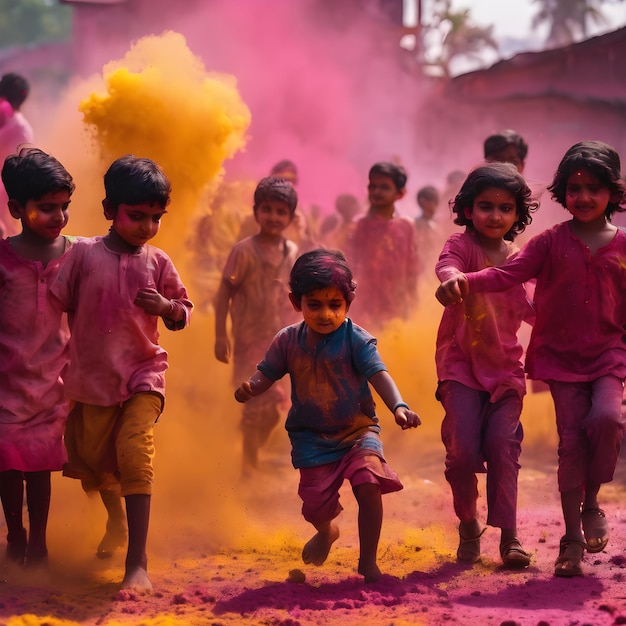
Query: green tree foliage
x=24, y=22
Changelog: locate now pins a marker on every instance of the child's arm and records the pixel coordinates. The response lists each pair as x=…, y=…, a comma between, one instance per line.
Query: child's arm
x=222, y=304
x=254, y=386
x=388, y=391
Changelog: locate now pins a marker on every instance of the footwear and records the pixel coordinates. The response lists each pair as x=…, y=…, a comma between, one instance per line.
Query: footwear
x=595, y=529
x=568, y=564
x=513, y=555
x=469, y=547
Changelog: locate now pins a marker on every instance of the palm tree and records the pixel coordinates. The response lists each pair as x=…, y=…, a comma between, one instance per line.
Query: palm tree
x=568, y=19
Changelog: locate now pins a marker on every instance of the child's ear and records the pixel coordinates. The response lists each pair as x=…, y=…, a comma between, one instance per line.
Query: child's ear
x=401, y=193
x=296, y=302
x=468, y=213
x=15, y=209
x=109, y=209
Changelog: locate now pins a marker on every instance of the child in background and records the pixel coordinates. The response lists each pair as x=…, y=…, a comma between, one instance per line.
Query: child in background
x=577, y=344
x=428, y=231
x=332, y=423
x=481, y=378
x=115, y=288
x=33, y=348
x=507, y=146
x=383, y=251
x=253, y=290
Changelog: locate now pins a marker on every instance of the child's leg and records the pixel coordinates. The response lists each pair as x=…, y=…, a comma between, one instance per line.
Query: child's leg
x=368, y=496
x=138, y=516
x=116, y=530
x=12, y=496
x=259, y=417
x=38, y=499
x=316, y=549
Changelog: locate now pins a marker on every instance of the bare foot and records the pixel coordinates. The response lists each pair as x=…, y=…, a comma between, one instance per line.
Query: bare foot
x=137, y=579
x=316, y=549
x=371, y=573
x=114, y=537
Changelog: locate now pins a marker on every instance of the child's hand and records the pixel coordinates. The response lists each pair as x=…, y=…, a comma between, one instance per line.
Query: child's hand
x=453, y=290
x=222, y=349
x=407, y=418
x=152, y=302
x=244, y=392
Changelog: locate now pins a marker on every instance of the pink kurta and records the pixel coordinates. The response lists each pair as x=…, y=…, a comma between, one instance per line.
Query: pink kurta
x=580, y=302
x=114, y=350
x=33, y=356
x=477, y=341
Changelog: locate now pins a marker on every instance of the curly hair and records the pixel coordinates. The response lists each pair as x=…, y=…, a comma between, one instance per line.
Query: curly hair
x=598, y=158
x=502, y=176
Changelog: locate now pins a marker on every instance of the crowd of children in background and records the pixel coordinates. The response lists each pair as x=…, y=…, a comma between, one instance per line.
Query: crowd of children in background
x=82, y=373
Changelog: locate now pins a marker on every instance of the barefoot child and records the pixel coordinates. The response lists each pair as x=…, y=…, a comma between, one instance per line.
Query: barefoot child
x=332, y=424
x=33, y=348
x=481, y=378
x=115, y=288
x=578, y=341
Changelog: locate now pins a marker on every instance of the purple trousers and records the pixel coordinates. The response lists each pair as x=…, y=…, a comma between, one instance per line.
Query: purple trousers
x=590, y=424
x=482, y=436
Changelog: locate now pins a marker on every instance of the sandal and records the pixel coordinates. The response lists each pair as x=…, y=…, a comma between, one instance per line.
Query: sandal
x=513, y=555
x=469, y=547
x=571, y=553
x=595, y=529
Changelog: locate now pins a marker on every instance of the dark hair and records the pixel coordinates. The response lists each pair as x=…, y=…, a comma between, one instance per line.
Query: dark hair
x=601, y=160
x=428, y=193
x=501, y=176
x=14, y=88
x=134, y=180
x=396, y=172
x=275, y=189
x=321, y=268
x=498, y=141
x=283, y=165
x=32, y=173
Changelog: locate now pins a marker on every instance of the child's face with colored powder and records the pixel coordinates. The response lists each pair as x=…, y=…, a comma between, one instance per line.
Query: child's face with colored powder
x=272, y=217
x=47, y=216
x=136, y=224
x=493, y=213
x=324, y=310
x=586, y=197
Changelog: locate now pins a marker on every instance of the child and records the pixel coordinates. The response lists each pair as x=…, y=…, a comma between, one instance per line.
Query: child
x=481, y=378
x=428, y=231
x=383, y=250
x=253, y=288
x=577, y=345
x=507, y=146
x=332, y=424
x=115, y=289
x=33, y=348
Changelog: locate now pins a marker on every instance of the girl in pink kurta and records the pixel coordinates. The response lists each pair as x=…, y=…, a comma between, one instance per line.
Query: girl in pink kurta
x=578, y=343
x=481, y=378
x=33, y=348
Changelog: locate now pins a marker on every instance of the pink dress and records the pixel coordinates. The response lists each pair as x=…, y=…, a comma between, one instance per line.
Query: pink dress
x=33, y=357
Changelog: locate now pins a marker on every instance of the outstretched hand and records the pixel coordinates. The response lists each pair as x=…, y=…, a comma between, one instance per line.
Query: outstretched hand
x=453, y=290
x=405, y=418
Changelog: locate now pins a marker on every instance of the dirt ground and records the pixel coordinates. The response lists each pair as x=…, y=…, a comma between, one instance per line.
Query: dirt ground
x=226, y=553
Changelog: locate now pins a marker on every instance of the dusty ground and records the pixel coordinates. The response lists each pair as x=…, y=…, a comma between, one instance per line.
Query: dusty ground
x=221, y=553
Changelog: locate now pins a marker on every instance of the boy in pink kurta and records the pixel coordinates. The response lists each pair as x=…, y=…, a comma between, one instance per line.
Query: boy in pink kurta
x=115, y=288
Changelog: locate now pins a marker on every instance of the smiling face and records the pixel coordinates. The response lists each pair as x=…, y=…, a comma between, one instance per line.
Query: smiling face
x=272, y=217
x=47, y=216
x=324, y=310
x=136, y=224
x=586, y=198
x=493, y=213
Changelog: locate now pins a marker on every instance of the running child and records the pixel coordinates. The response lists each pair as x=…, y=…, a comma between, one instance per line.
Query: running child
x=332, y=424
x=254, y=291
x=115, y=288
x=577, y=345
x=481, y=377
x=33, y=348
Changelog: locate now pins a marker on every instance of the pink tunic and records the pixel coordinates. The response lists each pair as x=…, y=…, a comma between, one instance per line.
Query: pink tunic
x=477, y=340
x=33, y=356
x=580, y=302
x=114, y=350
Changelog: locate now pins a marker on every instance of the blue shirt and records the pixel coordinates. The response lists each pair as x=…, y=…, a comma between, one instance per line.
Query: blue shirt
x=332, y=405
